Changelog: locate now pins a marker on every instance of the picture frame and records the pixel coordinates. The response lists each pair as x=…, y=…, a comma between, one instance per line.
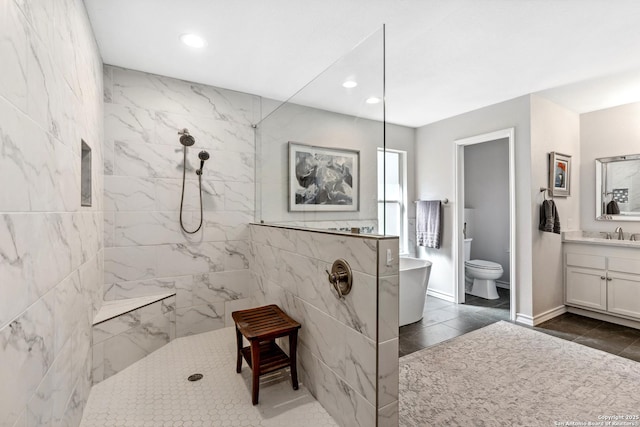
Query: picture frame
x=323, y=179
x=559, y=174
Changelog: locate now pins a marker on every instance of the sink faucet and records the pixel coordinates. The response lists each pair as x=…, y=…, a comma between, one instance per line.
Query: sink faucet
x=633, y=237
x=620, y=233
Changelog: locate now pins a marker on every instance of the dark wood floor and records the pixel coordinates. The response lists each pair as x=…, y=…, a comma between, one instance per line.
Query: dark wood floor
x=445, y=320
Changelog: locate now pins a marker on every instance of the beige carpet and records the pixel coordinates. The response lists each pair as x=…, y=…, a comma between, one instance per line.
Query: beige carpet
x=508, y=375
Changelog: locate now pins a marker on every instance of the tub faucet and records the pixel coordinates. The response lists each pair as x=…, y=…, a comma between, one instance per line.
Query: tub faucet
x=620, y=233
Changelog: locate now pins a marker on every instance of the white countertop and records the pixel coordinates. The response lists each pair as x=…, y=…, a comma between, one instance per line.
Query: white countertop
x=597, y=238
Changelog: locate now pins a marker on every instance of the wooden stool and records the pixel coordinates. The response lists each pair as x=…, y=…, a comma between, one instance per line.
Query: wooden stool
x=261, y=326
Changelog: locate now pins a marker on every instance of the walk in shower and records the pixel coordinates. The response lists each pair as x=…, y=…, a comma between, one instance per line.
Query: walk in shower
x=313, y=162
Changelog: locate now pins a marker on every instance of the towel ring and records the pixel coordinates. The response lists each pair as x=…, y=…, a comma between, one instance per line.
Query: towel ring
x=545, y=190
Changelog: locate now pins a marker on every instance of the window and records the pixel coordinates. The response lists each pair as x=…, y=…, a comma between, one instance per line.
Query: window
x=395, y=192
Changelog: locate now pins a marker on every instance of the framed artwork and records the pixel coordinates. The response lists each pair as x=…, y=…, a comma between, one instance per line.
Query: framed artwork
x=560, y=174
x=323, y=179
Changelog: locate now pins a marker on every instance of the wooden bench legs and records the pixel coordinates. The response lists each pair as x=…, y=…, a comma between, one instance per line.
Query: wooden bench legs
x=255, y=370
x=293, y=350
x=239, y=347
x=255, y=363
x=261, y=326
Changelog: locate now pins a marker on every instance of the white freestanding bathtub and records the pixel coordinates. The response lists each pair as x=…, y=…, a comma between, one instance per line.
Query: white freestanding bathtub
x=414, y=278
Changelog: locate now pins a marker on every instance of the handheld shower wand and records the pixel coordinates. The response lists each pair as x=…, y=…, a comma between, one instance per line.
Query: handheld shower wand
x=187, y=141
x=203, y=156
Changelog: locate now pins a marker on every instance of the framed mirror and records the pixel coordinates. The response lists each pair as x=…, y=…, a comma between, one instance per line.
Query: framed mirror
x=618, y=188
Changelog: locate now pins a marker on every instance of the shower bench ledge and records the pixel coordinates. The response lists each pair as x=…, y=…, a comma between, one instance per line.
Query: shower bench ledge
x=115, y=308
x=126, y=330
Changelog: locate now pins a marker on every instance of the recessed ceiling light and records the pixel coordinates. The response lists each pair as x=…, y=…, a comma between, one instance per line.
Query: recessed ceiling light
x=373, y=100
x=192, y=40
x=350, y=84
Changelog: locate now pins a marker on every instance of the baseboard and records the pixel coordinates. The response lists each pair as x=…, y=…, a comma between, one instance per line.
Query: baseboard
x=527, y=320
x=524, y=319
x=549, y=314
x=441, y=295
x=503, y=285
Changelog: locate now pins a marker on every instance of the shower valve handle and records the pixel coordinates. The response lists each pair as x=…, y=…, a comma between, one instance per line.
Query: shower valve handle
x=333, y=279
x=340, y=277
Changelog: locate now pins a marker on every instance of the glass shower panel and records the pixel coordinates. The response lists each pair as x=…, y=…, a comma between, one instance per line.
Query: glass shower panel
x=317, y=152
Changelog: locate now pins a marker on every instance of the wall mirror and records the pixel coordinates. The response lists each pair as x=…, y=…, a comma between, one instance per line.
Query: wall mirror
x=618, y=188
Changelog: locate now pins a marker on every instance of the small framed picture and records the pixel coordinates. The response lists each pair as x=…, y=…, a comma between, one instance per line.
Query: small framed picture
x=323, y=179
x=560, y=174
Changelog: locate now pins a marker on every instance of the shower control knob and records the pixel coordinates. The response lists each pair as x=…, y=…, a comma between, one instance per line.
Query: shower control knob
x=340, y=277
x=333, y=279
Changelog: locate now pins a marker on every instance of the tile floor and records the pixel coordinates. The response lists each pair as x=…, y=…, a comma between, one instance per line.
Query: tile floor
x=605, y=336
x=155, y=392
x=444, y=320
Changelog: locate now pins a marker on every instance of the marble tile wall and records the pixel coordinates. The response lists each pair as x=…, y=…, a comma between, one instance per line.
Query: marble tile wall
x=388, y=329
x=120, y=341
x=339, y=338
x=51, y=248
x=146, y=252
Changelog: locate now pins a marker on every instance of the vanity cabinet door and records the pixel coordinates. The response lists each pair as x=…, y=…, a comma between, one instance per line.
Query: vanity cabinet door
x=586, y=287
x=624, y=294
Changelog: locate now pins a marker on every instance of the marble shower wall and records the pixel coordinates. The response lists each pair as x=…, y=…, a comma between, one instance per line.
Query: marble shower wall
x=339, y=338
x=50, y=247
x=120, y=341
x=146, y=252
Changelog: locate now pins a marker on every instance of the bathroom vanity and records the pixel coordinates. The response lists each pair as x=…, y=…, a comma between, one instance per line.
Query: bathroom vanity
x=602, y=277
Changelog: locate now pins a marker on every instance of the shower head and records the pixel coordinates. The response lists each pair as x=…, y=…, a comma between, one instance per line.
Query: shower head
x=186, y=139
x=203, y=156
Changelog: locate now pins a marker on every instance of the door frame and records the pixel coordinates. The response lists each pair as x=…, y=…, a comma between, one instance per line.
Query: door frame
x=458, y=221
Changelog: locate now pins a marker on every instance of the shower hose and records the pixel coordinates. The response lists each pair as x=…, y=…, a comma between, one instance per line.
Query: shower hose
x=184, y=175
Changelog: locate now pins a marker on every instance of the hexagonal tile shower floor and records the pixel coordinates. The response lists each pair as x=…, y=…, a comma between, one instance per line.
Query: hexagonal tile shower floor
x=155, y=391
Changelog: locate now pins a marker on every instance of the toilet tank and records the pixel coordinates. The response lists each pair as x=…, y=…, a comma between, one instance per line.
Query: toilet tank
x=467, y=249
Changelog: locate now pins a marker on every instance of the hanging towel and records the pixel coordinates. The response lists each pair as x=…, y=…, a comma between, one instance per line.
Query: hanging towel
x=613, y=208
x=429, y=223
x=546, y=216
x=556, y=218
x=549, y=217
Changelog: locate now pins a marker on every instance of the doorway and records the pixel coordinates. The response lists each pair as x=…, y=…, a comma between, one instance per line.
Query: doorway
x=504, y=251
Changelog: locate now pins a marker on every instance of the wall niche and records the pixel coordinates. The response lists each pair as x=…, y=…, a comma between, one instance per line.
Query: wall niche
x=85, y=175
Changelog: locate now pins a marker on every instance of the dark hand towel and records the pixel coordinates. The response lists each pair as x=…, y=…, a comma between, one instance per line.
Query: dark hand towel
x=429, y=223
x=546, y=216
x=556, y=219
x=613, y=208
x=549, y=218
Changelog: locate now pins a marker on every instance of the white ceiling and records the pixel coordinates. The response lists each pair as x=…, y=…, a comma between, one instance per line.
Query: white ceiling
x=444, y=57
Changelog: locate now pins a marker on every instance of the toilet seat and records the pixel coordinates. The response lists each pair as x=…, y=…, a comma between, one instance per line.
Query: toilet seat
x=482, y=264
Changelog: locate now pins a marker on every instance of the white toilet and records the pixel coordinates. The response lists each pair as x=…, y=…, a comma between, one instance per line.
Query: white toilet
x=480, y=276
